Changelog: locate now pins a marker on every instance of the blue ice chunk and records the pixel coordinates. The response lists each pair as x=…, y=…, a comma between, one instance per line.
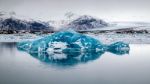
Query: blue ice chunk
x=68, y=42
x=70, y=48
x=118, y=48
x=60, y=40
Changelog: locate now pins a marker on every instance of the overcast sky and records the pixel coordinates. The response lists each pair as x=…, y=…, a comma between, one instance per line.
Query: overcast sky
x=111, y=10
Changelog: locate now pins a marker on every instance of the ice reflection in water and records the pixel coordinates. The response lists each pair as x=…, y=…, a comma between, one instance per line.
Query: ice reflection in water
x=17, y=67
x=71, y=58
x=70, y=48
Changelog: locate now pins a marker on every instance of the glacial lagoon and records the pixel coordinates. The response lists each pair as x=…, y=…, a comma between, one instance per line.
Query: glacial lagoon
x=18, y=67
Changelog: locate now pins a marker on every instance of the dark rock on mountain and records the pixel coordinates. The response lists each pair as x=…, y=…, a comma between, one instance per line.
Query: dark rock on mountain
x=17, y=25
x=86, y=22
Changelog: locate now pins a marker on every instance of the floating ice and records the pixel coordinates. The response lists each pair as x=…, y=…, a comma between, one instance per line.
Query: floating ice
x=63, y=41
x=71, y=46
x=118, y=48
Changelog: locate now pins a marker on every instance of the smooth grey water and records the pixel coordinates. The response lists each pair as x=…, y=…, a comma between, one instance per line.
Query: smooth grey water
x=17, y=67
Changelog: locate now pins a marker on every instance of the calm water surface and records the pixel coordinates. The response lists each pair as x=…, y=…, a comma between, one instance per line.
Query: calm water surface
x=17, y=67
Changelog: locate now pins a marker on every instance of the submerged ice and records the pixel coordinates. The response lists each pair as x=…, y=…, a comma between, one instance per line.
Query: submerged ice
x=71, y=45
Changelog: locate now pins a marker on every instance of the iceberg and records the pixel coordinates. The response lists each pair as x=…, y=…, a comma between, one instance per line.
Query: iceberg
x=63, y=42
x=118, y=48
x=67, y=47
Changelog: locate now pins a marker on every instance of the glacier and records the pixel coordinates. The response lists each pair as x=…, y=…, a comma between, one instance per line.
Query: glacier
x=71, y=46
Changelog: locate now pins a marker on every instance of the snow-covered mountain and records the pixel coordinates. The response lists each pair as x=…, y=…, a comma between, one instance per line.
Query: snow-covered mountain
x=86, y=22
x=11, y=24
x=14, y=24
